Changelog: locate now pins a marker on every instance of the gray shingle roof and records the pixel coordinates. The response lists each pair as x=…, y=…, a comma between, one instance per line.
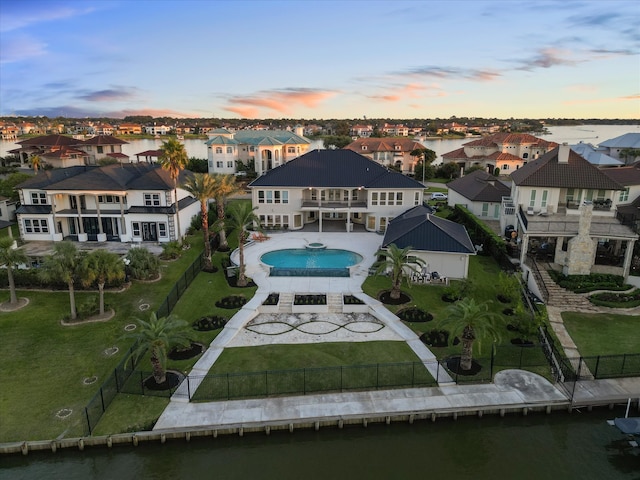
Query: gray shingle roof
x=576, y=173
x=480, y=186
x=263, y=137
x=333, y=168
x=628, y=140
x=419, y=229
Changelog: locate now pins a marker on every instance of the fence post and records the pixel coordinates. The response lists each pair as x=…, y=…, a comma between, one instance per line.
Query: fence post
x=102, y=400
x=86, y=413
x=624, y=361
x=595, y=374
x=188, y=389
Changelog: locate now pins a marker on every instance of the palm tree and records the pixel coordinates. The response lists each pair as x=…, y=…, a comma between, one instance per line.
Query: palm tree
x=225, y=187
x=174, y=159
x=159, y=335
x=102, y=266
x=11, y=257
x=65, y=264
x=203, y=187
x=396, y=260
x=471, y=321
x=36, y=162
x=241, y=218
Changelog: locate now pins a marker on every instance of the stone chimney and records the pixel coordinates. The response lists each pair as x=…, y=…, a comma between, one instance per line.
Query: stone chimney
x=563, y=153
x=581, y=248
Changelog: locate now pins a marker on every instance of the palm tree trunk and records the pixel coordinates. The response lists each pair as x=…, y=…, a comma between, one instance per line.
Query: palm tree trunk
x=224, y=244
x=395, y=289
x=242, y=281
x=467, y=353
x=12, y=286
x=205, y=232
x=159, y=373
x=175, y=195
x=72, y=300
x=101, y=290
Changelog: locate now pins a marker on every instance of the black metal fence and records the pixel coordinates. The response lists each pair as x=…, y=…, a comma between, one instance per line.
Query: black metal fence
x=609, y=366
x=120, y=380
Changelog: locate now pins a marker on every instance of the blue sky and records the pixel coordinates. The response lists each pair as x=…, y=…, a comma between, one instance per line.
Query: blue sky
x=321, y=59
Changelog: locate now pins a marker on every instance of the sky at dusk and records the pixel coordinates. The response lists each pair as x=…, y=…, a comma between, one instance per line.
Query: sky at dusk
x=320, y=59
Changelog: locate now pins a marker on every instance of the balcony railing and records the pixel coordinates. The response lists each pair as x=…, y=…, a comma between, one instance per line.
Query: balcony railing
x=508, y=207
x=334, y=204
x=602, y=205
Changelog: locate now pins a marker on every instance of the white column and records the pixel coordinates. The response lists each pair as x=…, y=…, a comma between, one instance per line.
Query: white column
x=628, y=256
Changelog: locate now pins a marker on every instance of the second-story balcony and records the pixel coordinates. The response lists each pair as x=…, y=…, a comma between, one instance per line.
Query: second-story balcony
x=601, y=205
x=508, y=207
x=334, y=204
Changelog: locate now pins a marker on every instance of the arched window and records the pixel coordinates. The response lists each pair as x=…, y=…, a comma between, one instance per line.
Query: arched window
x=525, y=156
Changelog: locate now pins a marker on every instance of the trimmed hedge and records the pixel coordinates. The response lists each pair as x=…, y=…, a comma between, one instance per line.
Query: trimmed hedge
x=616, y=300
x=589, y=283
x=30, y=278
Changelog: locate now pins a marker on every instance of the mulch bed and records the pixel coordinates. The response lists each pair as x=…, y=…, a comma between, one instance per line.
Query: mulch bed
x=191, y=351
x=385, y=297
x=206, y=324
x=453, y=364
x=172, y=380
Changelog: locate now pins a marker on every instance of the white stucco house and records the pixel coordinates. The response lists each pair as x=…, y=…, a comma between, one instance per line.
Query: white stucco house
x=480, y=192
x=337, y=186
x=119, y=203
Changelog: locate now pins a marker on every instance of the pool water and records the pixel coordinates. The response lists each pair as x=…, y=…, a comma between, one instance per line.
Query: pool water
x=310, y=262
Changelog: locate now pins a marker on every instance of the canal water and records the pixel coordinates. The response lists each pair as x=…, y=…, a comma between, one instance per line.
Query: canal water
x=563, y=446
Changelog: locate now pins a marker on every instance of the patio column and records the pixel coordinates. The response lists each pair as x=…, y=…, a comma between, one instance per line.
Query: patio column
x=348, y=220
x=558, y=253
x=82, y=237
x=101, y=236
x=523, y=249
x=56, y=236
x=628, y=256
x=123, y=224
x=319, y=220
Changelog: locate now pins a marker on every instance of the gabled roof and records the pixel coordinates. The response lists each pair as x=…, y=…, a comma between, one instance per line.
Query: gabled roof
x=132, y=176
x=220, y=140
x=419, y=229
x=263, y=137
x=576, y=173
x=504, y=138
x=49, y=141
x=624, y=175
x=103, y=140
x=588, y=152
x=384, y=145
x=479, y=186
x=628, y=140
x=334, y=168
x=220, y=131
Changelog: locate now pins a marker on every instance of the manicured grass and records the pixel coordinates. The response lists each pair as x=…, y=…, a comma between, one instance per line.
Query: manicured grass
x=439, y=180
x=131, y=413
x=603, y=334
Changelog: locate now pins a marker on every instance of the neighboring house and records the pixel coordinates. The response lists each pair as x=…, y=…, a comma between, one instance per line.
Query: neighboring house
x=129, y=129
x=7, y=209
x=157, y=129
x=8, y=131
x=505, y=151
x=337, y=186
x=480, y=192
x=61, y=151
x=594, y=156
x=615, y=147
x=268, y=149
x=388, y=151
x=628, y=200
x=121, y=203
x=443, y=245
x=563, y=209
x=395, y=130
x=361, y=131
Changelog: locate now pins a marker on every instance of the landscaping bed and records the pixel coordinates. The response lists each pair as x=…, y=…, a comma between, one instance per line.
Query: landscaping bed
x=589, y=283
x=616, y=300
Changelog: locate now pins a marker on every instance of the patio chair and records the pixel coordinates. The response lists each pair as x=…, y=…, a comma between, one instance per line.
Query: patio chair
x=530, y=211
x=543, y=212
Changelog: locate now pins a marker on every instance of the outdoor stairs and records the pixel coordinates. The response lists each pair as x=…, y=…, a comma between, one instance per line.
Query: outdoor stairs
x=334, y=302
x=563, y=298
x=285, y=303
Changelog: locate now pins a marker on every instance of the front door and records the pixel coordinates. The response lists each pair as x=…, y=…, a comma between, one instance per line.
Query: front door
x=149, y=232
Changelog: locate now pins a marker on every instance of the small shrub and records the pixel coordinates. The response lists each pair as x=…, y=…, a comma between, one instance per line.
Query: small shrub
x=414, y=315
x=435, y=338
x=351, y=300
x=143, y=265
x=171, y=250
x=231, y=302
x=616, y=300
x=206, y=324
x=310, y=300
x=272, y=299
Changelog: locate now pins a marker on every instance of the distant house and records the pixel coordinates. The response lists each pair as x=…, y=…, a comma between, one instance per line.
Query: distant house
x=129, y=129
x=120, y=203
x=394, y=152
x=333, y=187
x=480, y=192
x=267, y=149
x=7, y=209
x=595, y=156
x=395, y=130
x=443, y=245
x=104, y=146
x=627, y=200
x=504, y=151
x=615, y=147
x=361, y=131
x=564, y=203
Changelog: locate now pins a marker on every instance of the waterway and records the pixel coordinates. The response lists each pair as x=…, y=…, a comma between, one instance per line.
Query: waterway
x=558, y=446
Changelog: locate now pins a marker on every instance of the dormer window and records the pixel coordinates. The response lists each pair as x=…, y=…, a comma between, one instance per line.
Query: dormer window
x=364, y=147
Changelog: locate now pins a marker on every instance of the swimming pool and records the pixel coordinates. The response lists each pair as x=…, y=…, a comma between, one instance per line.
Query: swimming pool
x=303, y=262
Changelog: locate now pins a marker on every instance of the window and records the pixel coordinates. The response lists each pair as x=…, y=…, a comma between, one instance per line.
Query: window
x=285, y=197
x=416, y=198
x=35, y=225
x=485, y=210
x=505, y=167
x=624, y=195
x=276, y=196
x=229, y=149
x=374, y=198
x=544, y=198
x=260, y=196
x=291, y=149
x=108, y=199
x=38, y=198
x=219, y=164
x=383, y=198
x=532, y=201
x=230, y=164
x=152, y=199
x=269, y=196
x=399, y=198
x=525, y=155
x=252, y=149
x=364, y=147
x=218, y=149
x=162, y=229
x=100, y=149
x=135, y=226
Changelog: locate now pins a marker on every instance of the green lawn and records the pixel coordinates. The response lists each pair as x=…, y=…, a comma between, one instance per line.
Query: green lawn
x=603, y=334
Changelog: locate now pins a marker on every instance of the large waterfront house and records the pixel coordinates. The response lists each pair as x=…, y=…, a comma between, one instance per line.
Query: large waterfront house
x=625, y=147
x=480, y=192
x=61, y=151
x=340, y=187
x=267, y=149
x=394, y=152
x=503, y=151
x=121, y=203
x=444, y=246
x=564, y=212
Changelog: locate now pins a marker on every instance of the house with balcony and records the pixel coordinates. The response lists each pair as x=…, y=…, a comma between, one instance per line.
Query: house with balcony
x=394, y=152
x=480, y=192
x=267, y=149
x=505, y=151
x=118, y=203
x=339, y=190
x=563, y=210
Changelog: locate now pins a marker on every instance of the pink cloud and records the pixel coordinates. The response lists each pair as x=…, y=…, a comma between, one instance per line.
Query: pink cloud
x=247, y=112
x=153, y=113
x=277, y=100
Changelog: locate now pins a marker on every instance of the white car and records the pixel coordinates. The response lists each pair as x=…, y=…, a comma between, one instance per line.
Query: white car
x=438, y=196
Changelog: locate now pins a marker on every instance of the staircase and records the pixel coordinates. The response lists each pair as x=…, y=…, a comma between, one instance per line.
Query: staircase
x=285, y=302
x=334, y=302
x=563, y=298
